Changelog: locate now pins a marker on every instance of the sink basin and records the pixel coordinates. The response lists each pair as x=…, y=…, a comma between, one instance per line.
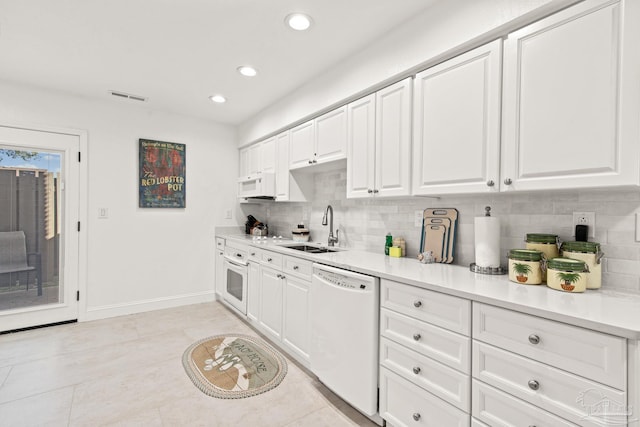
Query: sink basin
x=310, y=249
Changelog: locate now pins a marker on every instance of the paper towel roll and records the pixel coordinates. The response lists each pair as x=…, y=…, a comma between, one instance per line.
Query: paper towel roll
x=487, y=231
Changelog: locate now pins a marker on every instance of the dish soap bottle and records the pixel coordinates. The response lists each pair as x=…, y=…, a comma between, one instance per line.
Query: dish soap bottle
x=388, y=243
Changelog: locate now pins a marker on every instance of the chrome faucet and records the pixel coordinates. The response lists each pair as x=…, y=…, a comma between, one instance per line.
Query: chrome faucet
x=332, y=239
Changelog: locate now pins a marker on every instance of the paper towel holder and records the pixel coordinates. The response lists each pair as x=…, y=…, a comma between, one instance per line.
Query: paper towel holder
x=487, y=270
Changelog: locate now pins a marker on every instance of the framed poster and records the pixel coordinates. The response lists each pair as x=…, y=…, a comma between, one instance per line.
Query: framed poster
x=162, y=174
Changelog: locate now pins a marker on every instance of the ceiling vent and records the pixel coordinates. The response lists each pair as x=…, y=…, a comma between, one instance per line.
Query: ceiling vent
x=128, y=96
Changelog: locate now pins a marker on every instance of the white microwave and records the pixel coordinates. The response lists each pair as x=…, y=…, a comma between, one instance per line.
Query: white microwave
x=260, y=185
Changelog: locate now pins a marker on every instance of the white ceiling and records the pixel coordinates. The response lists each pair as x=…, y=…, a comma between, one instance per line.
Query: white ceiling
x=178, y=52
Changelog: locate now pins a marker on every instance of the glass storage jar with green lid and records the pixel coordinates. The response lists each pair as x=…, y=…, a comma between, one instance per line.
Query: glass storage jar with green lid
x=590, y=253
x=546, y=243
x=526, y=266
x=567, y=274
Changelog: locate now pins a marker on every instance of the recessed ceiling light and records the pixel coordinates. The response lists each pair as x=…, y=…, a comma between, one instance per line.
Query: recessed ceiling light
x=218, y=99
x=298, y=21
x=247, y=71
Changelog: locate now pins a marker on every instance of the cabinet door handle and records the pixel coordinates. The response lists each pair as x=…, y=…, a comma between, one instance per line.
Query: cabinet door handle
x=310, y=162
x=490, y=183
x=534, y=339
x=416, y=417
x=295, y=267
x=533, y=384
x=253, y=254
x=269, y=259
x=508, y=181
x=417, y=337
x=417, y=303
x=416, y=370
x=315, y=161
x=376, y=191
x=369, y=191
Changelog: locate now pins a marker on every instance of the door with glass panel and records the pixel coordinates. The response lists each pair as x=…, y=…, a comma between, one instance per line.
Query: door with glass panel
x=39, y=238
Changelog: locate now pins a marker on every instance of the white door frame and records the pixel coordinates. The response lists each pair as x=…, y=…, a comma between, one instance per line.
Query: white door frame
x=83, y=192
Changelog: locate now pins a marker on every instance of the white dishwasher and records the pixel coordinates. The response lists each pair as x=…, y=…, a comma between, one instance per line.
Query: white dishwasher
x=344, y=334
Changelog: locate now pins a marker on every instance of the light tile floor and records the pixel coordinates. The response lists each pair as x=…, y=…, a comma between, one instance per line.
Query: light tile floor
x=127, y=371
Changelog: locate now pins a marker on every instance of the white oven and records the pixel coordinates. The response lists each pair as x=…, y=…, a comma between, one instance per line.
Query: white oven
x=235, y=279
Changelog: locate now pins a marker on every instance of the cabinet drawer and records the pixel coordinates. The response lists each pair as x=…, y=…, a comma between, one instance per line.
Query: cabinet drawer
x=297, y=266
x=271, y=258
x=588, y=353
x=442, y=310
x=569, y=396
x=220, y=243
x=446, y=383
x=444, y=346
x=254, y=254
x=501, y=409
x=405, y=404
x=235, y=253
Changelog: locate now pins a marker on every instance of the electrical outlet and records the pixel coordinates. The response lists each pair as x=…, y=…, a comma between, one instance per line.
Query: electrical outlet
x=418, y=217
x=585, y=218
x=103, y=213
x=228, y=214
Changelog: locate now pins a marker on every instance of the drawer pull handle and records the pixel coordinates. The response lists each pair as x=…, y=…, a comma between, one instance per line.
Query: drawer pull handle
x=417, y=337
x=416, y=370
x=269, y=259
x=534, y=339
x=417, y=303
x=253, y=254
x=416, y=416
x=533, y=384
x=295, y=267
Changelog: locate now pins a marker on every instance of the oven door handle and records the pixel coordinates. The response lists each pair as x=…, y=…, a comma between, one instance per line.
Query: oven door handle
x=236, y=262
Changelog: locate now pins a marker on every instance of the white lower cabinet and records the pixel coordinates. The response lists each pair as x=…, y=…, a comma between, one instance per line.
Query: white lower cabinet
x=402, y=403
x=497, y=408
x=278, y=300
x=424, y=367
x=545, y=372
x=271, y=302
x=295, y=334
x=254, y=284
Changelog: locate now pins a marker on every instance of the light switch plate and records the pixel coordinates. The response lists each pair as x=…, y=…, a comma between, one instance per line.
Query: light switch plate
x=103, y=213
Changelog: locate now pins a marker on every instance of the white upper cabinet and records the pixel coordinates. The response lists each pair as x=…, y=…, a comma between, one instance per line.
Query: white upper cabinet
x=302, y=145
x=379, y=143
x=571, y=99
x=282, y=166
x=250, y=160
x=321, y=140
x=268, y=155
x=331, y=136
x=457, y=124
x=361, y=147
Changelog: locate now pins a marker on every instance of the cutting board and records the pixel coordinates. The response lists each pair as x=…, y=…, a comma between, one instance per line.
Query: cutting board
x=439, y=230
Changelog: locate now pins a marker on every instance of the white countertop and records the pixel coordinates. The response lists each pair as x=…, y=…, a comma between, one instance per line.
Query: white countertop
x=611, y=312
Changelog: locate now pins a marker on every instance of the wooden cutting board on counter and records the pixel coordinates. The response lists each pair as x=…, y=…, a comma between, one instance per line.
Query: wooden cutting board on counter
x=439, y=232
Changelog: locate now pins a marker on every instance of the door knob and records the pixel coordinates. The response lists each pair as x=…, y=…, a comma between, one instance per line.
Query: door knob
x=533, y=384
x=490, y=183
x=534, y=339
x=507, y=181
x=416, y=417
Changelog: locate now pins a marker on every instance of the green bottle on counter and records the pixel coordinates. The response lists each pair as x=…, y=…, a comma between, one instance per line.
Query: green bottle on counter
x=388, y=243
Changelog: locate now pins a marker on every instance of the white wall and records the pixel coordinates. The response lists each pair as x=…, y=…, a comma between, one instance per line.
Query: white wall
x=140, y=259
x=447, y=28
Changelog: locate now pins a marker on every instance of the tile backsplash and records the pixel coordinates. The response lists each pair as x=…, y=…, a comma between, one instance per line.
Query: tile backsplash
x=363, y=223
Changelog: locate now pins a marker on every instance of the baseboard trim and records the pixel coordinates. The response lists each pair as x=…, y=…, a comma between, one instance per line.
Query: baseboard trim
x=114, y=310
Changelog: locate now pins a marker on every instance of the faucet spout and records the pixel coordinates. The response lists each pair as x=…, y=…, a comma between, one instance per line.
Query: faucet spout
x=332, y=239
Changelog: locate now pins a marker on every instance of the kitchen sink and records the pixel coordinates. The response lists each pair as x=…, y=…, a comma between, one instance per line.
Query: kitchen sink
x=310, y=249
